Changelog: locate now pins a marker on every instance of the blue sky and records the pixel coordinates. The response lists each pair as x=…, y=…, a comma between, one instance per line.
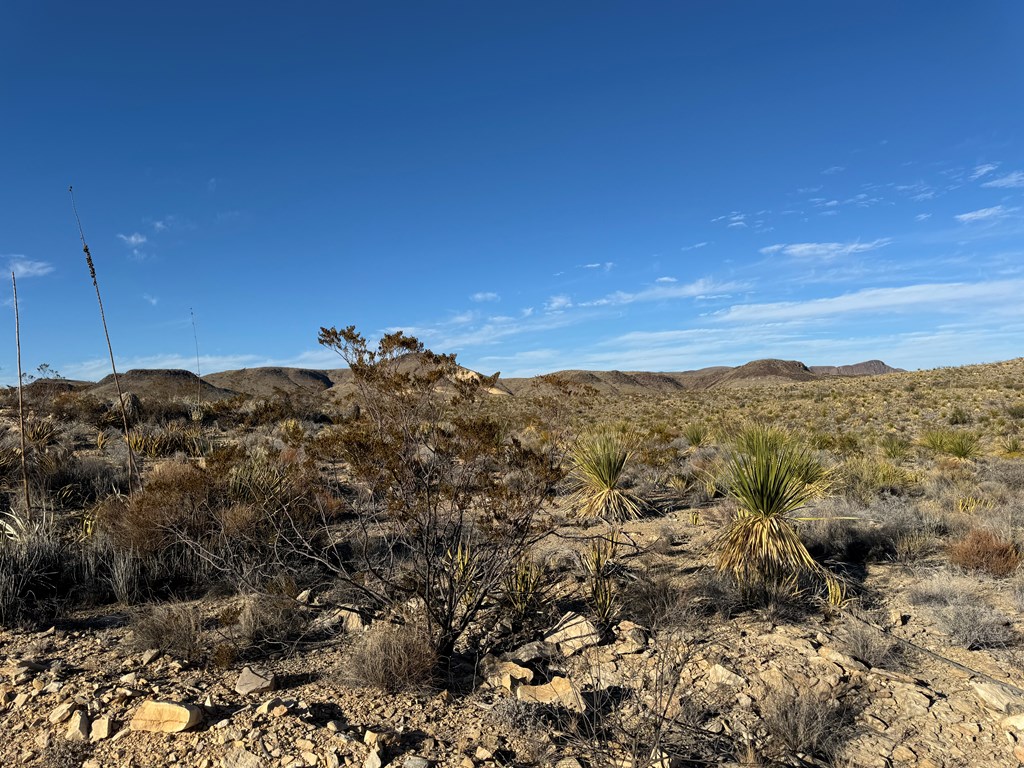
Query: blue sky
x=535, y=186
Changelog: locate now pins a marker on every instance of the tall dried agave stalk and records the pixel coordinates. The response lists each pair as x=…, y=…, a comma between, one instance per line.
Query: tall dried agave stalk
x=133, y=470
x=21, y=398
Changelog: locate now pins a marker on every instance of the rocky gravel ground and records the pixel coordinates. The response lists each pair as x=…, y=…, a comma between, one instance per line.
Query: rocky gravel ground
x=73, y=696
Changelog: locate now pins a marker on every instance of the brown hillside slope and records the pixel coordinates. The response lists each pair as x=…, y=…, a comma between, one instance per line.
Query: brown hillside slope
x=157, y=383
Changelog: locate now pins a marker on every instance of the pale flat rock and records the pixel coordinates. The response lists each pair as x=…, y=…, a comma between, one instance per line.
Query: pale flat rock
x=722, y=676
x=251, y=681
x=63, y=711
x=996, y=697
x=242, y=758
x=573, y=633
x=102, y=728
x=166, y=717
x=559, y=691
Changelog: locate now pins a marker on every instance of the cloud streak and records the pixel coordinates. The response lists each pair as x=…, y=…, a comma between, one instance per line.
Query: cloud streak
x=22, y=267
x=933, y=297
x=824, y=251
x=994, y=213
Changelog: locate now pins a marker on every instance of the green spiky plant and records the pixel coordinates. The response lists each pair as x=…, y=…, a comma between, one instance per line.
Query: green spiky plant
x=597, y=462
x=771, y=479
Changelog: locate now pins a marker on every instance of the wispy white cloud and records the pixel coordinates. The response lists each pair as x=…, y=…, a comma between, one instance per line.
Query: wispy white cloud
x=982, y=170
x=664, y=292
x=480, y=296
x=603, y=265
x=134, y=240
x=936, y=297
x=153, y=300
x=695, y=246
x=833, y=169
x=1013, y=180
x=22, y=267
x=824, y=251
x=922, y=217
x=211, y=185
x=994, y=213
x=666, y=280
x=558, y=303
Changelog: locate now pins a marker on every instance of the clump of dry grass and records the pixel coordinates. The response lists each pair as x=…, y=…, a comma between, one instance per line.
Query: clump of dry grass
x=173, y=627
x=806, y=723
x=393, y=658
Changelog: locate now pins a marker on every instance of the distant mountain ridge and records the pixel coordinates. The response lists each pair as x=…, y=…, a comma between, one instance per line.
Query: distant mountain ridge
x=275, y=380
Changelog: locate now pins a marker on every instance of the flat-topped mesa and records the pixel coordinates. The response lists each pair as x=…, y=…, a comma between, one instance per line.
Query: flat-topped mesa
x=867, y=368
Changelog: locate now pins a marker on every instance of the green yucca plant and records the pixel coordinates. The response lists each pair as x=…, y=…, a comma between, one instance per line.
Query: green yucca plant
x=772, y=478
x=523, y=586
x=958, y=443
x=697, y=434
x=598, y=460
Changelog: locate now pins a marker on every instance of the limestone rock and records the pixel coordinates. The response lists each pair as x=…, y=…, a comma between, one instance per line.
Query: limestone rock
x=573, y=633
x=242, y=758
x=166, y=717
x=559, y=691
x=102, y=728
x=722, y=676
x=503, y=674
x=78, y=726
x=996, y=697
x=250, y=681
x=416, y=762
x=63, y=712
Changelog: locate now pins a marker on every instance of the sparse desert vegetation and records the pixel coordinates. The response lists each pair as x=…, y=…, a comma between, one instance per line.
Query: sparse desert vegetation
x=423, y=563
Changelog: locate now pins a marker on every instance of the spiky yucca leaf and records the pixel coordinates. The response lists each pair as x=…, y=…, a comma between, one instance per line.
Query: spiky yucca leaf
x=771, y=478
x=598, y=460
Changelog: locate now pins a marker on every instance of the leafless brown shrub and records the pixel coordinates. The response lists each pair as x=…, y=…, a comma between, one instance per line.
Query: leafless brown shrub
x=976, y=625
x=871, y=646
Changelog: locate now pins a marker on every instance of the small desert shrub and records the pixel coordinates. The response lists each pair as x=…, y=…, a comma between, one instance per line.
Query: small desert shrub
x=267, y=621
x=176, y=628
x=871, y=646
x=985, y=552
x=806, y=723
x=864, y=478
x=655, y=602
x=975, y=625
x=1015, y=411
x=597, y=461
x=176, y=501
x=393, y=658
x=959, y=416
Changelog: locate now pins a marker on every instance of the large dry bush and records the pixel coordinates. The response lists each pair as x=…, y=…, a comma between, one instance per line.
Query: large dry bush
x=178, y=500
x=448, y=501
